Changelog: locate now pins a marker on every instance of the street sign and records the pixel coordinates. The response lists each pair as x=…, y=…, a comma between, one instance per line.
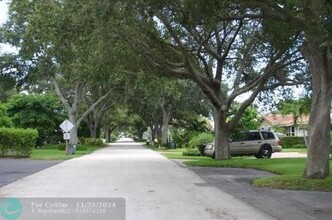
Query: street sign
x=66, y=125
x=66, y=136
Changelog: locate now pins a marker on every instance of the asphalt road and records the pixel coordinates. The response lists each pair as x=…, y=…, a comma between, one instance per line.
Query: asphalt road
x=12, y=170
x=152, y=186
x=157, y=188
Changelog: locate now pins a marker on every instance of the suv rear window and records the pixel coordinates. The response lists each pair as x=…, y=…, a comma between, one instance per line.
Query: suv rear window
x=267, y=135
x=253, y=136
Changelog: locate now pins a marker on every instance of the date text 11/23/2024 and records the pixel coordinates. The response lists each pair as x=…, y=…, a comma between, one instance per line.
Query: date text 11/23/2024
x=65, y=208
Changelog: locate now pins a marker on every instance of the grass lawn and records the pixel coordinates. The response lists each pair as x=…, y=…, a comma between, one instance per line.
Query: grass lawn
x=51, y=152
x=289, y=170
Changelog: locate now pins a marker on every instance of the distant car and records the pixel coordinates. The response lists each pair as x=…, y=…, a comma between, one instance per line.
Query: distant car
x=260, y=144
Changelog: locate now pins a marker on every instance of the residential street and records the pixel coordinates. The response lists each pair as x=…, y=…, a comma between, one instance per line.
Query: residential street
x=157, y=188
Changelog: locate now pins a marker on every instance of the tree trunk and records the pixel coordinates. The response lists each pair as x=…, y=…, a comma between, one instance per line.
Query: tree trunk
x=159, y=132
x=222, y=151
x=317, y=165
x=93, y=123
x=93, y=131
x=153, y=133
x=165, y=126
x=165, y=130
x=73, y=131
x=107, y=133
x=140, y=133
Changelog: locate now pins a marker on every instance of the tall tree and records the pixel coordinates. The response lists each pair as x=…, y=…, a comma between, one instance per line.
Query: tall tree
x=63, y=43
x=194, y=40
x=313, y=20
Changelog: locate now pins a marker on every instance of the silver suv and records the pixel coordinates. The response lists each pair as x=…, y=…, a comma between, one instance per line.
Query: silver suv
x=260, y=144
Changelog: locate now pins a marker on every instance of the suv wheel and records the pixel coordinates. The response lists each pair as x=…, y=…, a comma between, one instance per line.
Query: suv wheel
x=265, y=152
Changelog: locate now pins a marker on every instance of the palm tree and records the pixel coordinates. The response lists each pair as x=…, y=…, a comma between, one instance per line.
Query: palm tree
x=298, y=108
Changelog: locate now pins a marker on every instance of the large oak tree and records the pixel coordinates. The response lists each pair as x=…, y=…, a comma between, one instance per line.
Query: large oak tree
x=313, y=20
x=195, y=40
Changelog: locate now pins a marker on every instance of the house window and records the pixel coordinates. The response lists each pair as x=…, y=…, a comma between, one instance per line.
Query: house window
x=290, y=131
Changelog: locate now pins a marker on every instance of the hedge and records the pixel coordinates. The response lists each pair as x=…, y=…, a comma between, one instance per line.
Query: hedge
x=191, y=153
x=91, y=141
x=17, y=142
x=292, y=142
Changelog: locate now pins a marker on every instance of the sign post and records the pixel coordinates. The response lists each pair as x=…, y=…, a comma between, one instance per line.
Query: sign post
x=66, y=126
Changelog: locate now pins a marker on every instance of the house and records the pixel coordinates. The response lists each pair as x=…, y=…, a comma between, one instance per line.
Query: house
x=286, y=122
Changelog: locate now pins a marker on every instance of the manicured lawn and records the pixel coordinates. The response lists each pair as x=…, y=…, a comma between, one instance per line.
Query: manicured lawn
x=51, y=152
x=289, y=170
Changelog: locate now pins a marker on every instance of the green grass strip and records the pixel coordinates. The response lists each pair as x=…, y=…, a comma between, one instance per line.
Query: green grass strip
x=289, y=171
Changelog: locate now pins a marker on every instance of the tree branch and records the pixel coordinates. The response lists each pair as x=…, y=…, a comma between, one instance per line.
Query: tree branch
x=58, y=91
x=92, y=107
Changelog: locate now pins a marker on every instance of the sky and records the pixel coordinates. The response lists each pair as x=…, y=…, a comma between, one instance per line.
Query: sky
x=3, y=11
x=3, y=18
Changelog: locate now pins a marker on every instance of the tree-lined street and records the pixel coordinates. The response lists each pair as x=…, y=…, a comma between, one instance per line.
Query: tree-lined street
x=90, y=53
x=170, y=74
x=157, y=188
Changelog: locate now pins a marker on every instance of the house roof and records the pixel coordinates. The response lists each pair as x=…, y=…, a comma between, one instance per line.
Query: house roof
x=286, y=120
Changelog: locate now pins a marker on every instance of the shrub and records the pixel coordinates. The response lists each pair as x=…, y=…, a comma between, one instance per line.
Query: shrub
x=292, y=142
x=203, y=138
x=17, y=142
x=82, y=148
x=191, y=153
x=55, y=139
x=62, y=147
x=91, y=141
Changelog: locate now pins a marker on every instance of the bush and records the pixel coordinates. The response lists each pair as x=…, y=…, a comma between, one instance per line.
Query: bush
x=17, y=142
x=203, y=138
x=62, y=147
x=91, y=141
x=191, y=153
x=54, y=139
x=182, y=138
x=292, y=142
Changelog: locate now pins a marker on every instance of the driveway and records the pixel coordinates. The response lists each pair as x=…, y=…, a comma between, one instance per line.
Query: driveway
x=280, y=204
x=153, y=186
